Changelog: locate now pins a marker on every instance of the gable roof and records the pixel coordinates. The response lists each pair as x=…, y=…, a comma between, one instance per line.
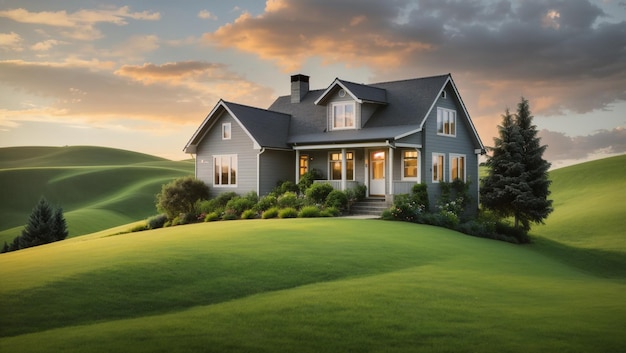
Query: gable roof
x=359, y=92
x=264, y=127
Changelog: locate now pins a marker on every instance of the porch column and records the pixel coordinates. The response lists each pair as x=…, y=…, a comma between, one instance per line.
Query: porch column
x=344, y=169
x=297, y=166
x=390, y=171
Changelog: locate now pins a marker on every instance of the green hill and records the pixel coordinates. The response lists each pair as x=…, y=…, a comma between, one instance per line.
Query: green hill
x=98, y=188
x=304, y=285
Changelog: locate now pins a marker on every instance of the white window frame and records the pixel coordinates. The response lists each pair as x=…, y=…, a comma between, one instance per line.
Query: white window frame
x=227, y=131
x=217, y=170
x=332, y=115
x=331, y=161
x=446, y=117
x=418, y=171
x=452, y=157
x=436, y=171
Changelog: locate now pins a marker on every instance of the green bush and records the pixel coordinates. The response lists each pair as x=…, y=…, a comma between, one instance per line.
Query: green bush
x=157, y=221
x=288, y=212
x=283, y=187
x=266, y=202
x=309, y=212
x=419, y=195
x=139, y=228
x=211, y=217
x=306, y=180
x=387, y=215
x=270, y=213
x=330, y=212
x=252, y=196
x=180, y=196
x=318, y=192
x=337, y=199
x=288, y=200
x=249, y=214
x=238, y=204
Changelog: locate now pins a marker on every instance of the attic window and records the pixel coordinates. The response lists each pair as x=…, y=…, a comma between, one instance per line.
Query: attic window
x=226, y=131
x=342, y=115
x=443, y=94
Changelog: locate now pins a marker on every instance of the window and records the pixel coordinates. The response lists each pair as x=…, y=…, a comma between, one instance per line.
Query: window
x=438, y=167
x=225, y=169
x=446, y=122
x=443, y=94
x=335, y=165
x=304, y=164
x=410, y=165
x=343, y=115
x=226, y=133
x=457, y=167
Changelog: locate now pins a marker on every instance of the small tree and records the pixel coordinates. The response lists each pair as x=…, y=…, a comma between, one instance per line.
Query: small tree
x=45, y=225
x=180, y=196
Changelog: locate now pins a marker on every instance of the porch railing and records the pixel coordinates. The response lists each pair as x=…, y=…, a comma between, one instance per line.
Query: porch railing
x=336, y=184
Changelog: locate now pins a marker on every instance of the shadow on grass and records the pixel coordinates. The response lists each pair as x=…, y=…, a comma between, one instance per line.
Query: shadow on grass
x=600, y=263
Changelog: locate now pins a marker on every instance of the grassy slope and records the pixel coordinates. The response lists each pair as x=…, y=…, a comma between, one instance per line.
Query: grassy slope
x=284, y=285
x=98, y=188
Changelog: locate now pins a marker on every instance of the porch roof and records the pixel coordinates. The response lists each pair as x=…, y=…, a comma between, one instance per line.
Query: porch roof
x=346, y=136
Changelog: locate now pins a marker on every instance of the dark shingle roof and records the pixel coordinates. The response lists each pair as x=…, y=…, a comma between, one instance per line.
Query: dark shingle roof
x=268, y=128
x=366, y=93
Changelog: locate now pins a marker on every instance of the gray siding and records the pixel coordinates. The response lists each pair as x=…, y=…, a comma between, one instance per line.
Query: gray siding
x=240, y=144
x=462, y=143
x=276, y=166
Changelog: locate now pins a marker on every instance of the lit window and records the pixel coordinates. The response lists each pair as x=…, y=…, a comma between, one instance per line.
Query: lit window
x=457, y=167
x=226, y=133
x=446, y=122
x=343, y=116
x=225, y=169
x=409, y=164
x=438, y=167
x=304, y=164
x=335, y=165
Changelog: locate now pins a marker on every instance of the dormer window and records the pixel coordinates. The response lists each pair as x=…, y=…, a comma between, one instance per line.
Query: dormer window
x=343, y=115
x=446, y=122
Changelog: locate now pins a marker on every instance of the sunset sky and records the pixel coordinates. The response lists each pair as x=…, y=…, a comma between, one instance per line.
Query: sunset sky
x=142, y=75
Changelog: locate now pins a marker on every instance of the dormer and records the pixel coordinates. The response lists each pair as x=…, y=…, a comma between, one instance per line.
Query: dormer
x=350, y=105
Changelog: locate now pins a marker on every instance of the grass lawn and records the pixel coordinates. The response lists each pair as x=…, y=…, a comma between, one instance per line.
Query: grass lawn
x=305, y=285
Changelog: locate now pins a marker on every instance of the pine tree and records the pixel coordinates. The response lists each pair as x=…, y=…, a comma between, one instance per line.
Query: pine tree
x=517, y=183
x=59, y=226
x=45, y=225
x=534, y=206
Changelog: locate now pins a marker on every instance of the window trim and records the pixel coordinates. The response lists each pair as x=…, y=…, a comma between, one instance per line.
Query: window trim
x=227, y=131
x=217, y=172
x=332, y=115
x=418, y=171
x=458, y=155
x=440, y=122
x=330, y=169
x=435, y=158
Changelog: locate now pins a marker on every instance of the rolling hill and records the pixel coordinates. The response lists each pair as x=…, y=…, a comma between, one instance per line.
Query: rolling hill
x=98, y=188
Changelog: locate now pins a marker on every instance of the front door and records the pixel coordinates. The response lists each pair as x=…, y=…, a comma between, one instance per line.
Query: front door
x=377, y=173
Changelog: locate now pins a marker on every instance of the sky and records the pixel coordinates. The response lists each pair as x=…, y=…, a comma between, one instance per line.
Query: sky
x=142, y=75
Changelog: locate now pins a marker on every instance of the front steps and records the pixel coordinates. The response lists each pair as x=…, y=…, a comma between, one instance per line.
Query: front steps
x=369, y=207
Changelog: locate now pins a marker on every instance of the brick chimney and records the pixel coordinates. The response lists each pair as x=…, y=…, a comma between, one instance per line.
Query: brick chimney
x=299, y=87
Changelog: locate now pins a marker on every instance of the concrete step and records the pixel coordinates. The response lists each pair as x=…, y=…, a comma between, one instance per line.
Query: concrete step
x=373, y=207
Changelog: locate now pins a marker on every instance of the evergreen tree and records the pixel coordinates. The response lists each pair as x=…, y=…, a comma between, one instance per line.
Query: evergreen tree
x=38, y=231
x=517, y=183
x=534, y=206
x=5, y=247
x=59, y=226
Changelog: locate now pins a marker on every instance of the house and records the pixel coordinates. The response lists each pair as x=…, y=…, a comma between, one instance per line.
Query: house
x=387, y=136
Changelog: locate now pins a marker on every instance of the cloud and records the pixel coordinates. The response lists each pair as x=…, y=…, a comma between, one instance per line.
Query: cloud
x=11, y=41
x=563, y=147
x=79, y=24
x=562, y=53
x=45, y=45
x=77, y=92
x=206, y=15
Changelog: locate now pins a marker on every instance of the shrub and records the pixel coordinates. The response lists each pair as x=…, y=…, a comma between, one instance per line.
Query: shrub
x=139, y=228
x=230, y=215
x=309, y=212
x=360, y=192
x=180, y=196
x=285, y=186
x=387, y=215
x=337, y=199
x=211, y=217
x=252, y=196
x=158, y=221
x=405, y=209
x=288, y=200
x=318, y=192
x=249, y=214
x=306, y=180
x=330, y=212
x=419, y=194
x=238, y=204
x=266, y=202
x=288, y=212
x=270, y=213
